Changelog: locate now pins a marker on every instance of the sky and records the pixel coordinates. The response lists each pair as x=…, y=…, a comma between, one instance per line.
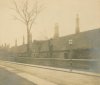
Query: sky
x=62, y=12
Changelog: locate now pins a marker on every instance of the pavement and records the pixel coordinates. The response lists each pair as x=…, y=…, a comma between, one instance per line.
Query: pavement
x=10, y=78
x=26, y=76
x=51, y=76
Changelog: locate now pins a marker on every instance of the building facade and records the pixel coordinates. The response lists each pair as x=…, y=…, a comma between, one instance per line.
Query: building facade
x=85, y=45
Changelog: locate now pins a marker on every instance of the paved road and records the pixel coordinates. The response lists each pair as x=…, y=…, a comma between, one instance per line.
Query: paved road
x=53, y=77
x=9, y=78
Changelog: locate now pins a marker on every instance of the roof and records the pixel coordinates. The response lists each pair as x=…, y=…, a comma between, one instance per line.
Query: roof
x=83, y=40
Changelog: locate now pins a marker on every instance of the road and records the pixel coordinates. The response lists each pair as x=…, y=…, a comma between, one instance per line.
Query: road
x=42, y=75
x=10, y=78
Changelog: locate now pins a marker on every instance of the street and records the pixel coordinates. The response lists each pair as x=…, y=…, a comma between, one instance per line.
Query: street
x=41, y=75
x=9, y=78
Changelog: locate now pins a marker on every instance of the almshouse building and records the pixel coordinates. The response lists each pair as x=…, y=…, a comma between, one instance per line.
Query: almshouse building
x=84, y=45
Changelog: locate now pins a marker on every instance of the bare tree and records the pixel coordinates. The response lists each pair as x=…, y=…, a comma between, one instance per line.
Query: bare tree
x=27, y=14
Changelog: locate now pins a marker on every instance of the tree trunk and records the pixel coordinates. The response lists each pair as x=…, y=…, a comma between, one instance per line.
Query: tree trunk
x=28, y=43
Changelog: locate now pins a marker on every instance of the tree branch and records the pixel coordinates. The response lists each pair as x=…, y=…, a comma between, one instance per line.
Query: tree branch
x=18, y=11
x=17, y=18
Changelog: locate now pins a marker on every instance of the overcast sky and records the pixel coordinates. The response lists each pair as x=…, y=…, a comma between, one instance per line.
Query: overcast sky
x=56, y=11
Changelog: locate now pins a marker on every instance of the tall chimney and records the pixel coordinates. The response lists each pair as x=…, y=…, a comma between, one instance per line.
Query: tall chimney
x=77, y=30
x=16, y=43
x=56, y=31
x=23, y=40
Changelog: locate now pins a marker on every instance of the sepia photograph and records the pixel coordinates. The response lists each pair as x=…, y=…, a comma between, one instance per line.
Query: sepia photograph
x=49, y=42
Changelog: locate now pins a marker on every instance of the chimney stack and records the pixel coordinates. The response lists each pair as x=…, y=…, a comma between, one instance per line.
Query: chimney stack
x=77, y=30
x=56, y=31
